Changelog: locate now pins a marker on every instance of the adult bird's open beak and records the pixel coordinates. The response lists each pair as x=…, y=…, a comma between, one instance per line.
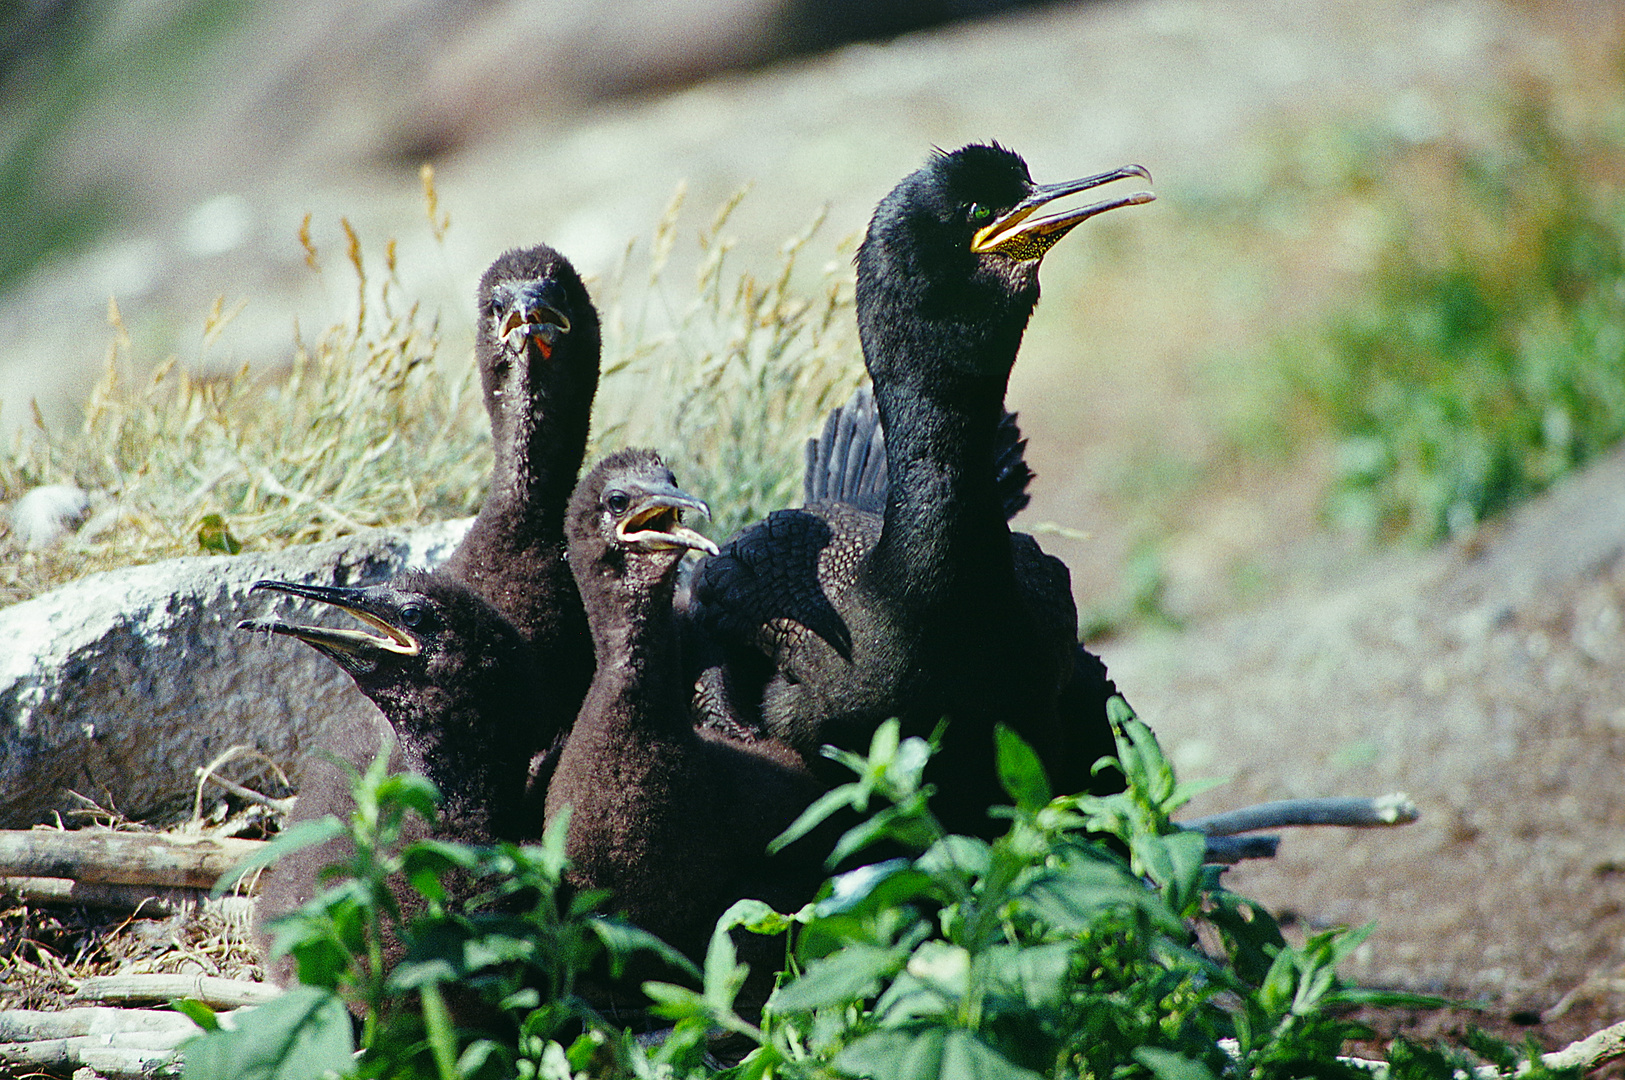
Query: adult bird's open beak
x=1019, y=235
x=337, y=642
x=531, y=314
x=655, y=522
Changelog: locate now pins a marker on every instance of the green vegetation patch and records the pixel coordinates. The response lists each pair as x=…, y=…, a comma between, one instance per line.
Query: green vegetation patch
x=1487, y=358
x=1045, y=953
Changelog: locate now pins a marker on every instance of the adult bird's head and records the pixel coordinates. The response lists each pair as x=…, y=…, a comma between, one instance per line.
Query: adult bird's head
x=626, y=520
x=538, y=341
x=432, y=646
x=950, y=262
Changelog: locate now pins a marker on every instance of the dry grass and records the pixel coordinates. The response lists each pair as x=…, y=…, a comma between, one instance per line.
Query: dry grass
x=729, y=380
x=367, y=427
x=373, y=424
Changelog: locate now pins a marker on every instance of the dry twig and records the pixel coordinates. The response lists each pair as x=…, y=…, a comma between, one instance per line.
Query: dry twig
x=212, y=991
x=100, y=856
x=141, y=901
x=1354, y=813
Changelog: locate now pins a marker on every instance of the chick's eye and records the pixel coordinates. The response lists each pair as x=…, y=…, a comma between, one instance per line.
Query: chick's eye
x=411, y=615
x=980, y=213
x=617, y=502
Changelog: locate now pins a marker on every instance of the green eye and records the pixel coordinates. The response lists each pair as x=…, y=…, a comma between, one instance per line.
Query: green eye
x=979, y=212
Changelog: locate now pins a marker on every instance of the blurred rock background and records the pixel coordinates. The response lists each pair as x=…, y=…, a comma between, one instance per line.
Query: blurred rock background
x=165, y=153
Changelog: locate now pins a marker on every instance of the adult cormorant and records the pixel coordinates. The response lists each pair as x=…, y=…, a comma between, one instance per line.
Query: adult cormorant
x=830, y=618
x=674, y=821
x=847, y=462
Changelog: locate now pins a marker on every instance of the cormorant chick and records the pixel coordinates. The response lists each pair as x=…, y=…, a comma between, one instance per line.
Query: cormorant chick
x=830, y=618
x=537, y=345
x=674, y=821
x=456, y=684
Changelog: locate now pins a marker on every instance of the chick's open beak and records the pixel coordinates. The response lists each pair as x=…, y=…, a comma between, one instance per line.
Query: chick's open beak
x=353, y=601
x=655, y=523
x=531, y=314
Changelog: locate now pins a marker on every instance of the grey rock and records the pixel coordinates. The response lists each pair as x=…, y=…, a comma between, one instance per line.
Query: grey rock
x=120, y=684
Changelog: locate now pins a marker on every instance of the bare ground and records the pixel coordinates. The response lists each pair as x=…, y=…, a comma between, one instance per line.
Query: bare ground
x=1486, y=681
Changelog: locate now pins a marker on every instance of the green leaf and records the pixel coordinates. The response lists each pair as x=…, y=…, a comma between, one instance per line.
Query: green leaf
x=852, y=974
x=304, y=1033
x=963, y=856
x=965, y=1057
x=850, y=890
x=410, y=791
x=197, y=1012
x=1373, y=997
x=883, y=744
x=894, y=1055
x=1174, y=862
x=1020, y=771
x=437, y=1025
x=1073, y=896
x=475, y=1055
x=1167, y=1065
x=213, y=534
x=908, y=823
x=931, y=1053
x=1037, y=972
x=411, y=975
x=815, y=815
x=675, y=1002
x=908, y=764
x=724, y=974
x=622, y=939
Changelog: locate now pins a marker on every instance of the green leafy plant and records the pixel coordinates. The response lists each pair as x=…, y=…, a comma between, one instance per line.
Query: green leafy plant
x=1089, y=941
x=490, y=988
x=1488, y=358
x=1047, y=952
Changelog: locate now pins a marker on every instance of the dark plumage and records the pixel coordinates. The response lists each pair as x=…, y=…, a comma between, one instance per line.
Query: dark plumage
x=674, y=822
x=537, y=346
x=457, y=687
x=847, y=463
x=831, y=618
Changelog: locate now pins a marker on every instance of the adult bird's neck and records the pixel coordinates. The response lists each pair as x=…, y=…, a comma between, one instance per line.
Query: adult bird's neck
x=943, y=513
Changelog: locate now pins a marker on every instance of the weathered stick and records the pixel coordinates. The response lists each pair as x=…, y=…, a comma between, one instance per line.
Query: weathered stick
x=1350, y=813
x=32, y=1025
x=1229, y=850
x=1598, y=1048
x=101, y=856
x=214, y=992
x=90, y=1052
x=143, y=901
